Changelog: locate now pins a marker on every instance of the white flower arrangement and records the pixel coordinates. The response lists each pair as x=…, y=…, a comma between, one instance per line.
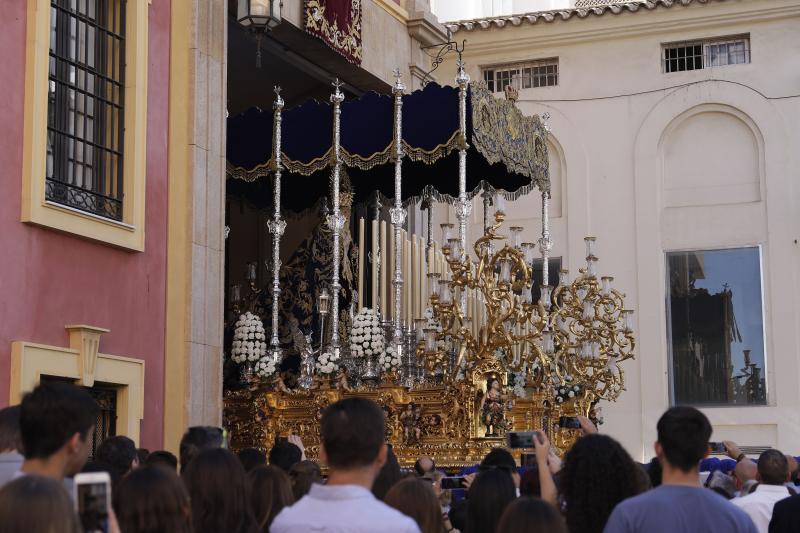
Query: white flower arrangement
x=327, y=363
x=518, y=383
x=249, y=339
x=390, y=360
x=265, y=367
x=567, y=390
x=366, y=336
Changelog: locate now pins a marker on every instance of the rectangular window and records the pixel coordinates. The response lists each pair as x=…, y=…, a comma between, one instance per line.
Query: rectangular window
x=715, y=327
x=542, y=73
x=85, y=106
x=695, y=55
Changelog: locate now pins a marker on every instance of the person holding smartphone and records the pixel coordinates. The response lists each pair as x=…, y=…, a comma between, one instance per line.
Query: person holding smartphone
x=56, y=421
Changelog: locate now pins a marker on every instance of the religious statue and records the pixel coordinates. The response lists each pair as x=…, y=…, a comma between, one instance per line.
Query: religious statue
x=411, y=420
x=341, y=380
x=309, y=269
x=492, y=408
x=307, y=362
x=279, y=384
x=455, y=416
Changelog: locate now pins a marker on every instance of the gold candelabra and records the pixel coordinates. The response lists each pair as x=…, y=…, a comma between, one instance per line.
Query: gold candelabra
x=575, y=334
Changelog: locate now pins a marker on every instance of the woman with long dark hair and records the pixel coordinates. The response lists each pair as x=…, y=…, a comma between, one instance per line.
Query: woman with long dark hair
x=389, y=474
x=270, y=492
x=220, y=493
x=153, y=500
x=489, y=495
x=596, y=475
x=531, y=515
x=302, y=475
x=415, y=497
x=35, y=504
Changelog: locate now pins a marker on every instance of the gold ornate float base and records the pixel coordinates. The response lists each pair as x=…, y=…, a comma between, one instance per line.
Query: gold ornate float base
x=439, y=421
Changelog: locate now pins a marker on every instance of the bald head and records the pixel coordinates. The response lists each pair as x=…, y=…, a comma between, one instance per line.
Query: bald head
x=746, y=470
x=773, y=468
x=424, y=465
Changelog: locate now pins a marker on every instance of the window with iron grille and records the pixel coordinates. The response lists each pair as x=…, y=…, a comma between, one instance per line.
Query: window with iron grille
x=542, y=73
x=105, y=424
x=695, y=55
x=85, y=106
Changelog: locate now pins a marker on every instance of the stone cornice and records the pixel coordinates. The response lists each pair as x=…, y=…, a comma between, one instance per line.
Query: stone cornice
x=424, y=27
x=628, y=27
x=578, y=12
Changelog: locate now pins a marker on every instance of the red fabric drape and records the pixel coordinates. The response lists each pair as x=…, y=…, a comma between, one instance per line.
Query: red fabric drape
x=338, y=23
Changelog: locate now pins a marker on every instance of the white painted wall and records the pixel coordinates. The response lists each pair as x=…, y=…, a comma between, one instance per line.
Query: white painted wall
x=447, y=10
x=652, y=162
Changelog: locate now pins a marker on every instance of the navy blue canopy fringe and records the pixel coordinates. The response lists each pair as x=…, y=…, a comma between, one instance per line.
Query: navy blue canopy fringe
x=507, y=150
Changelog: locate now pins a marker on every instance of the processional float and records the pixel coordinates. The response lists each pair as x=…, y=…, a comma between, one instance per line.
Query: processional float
x=488, y=355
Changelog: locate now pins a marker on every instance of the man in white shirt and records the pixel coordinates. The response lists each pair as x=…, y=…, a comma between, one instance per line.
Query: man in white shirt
x=773, y=472
x=352, y=446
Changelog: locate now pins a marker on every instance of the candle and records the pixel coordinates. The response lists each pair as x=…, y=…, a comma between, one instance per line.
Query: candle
x=500, y=204
x=374, y=261
x=412, y=275
x=420, y=284
x=391, y=262
x=476, y=320
x=402, y=259
x=423, y=290
x=360, y=263
x=385, y=274
x=408, y=277
x=468, y=315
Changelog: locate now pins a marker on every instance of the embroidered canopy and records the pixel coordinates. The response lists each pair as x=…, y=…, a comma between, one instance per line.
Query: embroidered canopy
x=337, y=23
x=507, y=150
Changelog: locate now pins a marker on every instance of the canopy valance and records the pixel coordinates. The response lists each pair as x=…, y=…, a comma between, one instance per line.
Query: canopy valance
x=507, y=150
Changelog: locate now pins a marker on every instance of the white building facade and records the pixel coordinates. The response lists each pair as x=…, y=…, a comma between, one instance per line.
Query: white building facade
x=675, y=137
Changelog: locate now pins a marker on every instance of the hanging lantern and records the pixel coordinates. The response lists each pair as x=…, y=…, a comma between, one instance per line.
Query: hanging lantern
x=324, y=304
x=259, y=16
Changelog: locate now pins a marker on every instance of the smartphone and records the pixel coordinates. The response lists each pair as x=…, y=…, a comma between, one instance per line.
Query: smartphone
x=452, y=483
x=569, y=422
x=93, y=501
x=521, y=439
x=717, y=447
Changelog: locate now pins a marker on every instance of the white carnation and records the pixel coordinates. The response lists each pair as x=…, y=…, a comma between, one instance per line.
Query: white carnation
x=366, y=336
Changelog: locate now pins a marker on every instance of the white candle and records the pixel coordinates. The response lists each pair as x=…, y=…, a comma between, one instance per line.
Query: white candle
x=374, y=287
x=391, y=257
x=407, y=269
x=412, y=275
x=424, y=281
x=385, y=275
x=420, y=285
x=360, y=263
x=475, y=320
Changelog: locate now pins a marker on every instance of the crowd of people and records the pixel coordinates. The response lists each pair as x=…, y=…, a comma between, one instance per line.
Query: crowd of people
x=597, y=487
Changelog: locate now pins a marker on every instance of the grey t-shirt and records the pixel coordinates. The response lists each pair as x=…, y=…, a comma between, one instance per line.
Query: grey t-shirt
x=678, y=509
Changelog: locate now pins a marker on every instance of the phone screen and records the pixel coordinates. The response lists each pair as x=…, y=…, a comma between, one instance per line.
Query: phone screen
x=451, y=483
x=521, y=439
x=717, y=447
x=569, y=422
x=93, y=505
